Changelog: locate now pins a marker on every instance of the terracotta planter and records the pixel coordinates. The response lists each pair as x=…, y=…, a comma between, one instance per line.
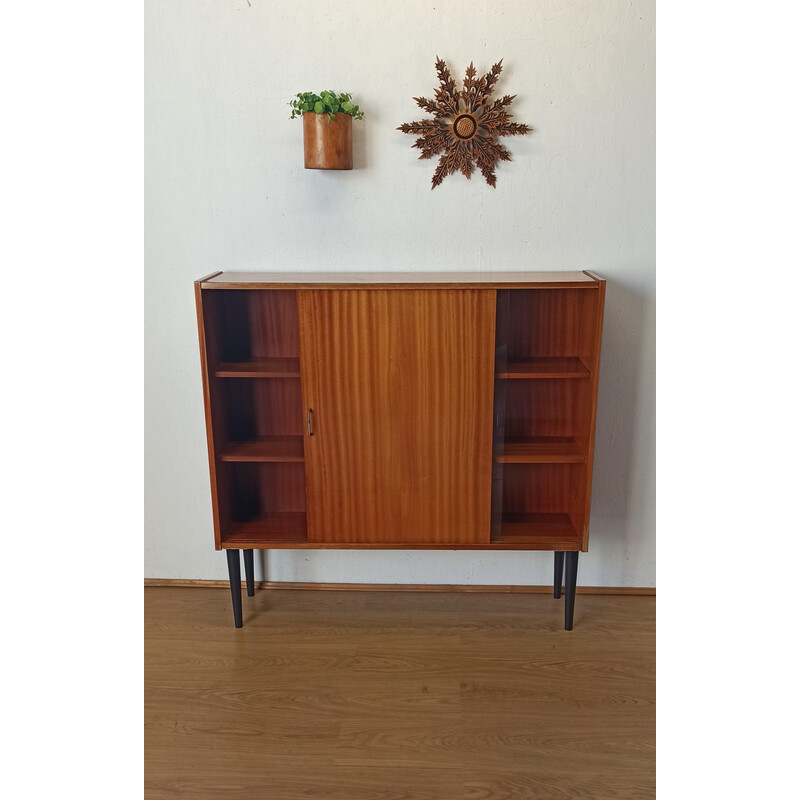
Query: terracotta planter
x=328, y=143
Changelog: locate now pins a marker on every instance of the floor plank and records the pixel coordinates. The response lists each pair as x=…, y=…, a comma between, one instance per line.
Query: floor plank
x=363, y=695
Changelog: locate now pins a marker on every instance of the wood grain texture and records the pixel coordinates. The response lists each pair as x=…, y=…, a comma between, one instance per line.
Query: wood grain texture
x=265, y=499
x=327, y=143
x=410, y=373
x=253, y=408
x=250, y=325
x=551, y=367
x=270, y=448
x=371, y=696
x=554, y=324
x=540, y=450
x=548, y=345
x=548, y=408
x=397, y=280
x=260, y=368
x=209, y=354
x=648, y=591
x=545, y=530
x=266, y=528
x=597, y=341
x=400, y=390
x=251, y=379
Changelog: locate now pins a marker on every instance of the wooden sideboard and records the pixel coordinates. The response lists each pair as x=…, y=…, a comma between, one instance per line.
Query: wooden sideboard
x=384, y=410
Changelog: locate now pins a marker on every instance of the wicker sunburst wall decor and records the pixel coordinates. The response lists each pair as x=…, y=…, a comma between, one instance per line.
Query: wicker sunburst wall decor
x=465, y=125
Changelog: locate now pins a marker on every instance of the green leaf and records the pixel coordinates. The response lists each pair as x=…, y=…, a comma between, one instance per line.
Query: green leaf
x=328, y=102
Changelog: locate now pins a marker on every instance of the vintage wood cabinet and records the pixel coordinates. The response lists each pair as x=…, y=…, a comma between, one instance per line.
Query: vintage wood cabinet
x=435, y=410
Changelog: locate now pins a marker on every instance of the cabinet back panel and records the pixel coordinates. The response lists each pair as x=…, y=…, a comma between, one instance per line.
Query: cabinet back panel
x=399, y=383
x=273, y=324
x=282, y=487
x=549, y=322
x=543, y=489
x=262, y=489
x=257, y=407
x=548, y=408
x=251, y=324
x=279, y=408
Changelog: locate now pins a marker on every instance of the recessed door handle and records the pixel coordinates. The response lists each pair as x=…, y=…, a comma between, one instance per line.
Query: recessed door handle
x=308, y=423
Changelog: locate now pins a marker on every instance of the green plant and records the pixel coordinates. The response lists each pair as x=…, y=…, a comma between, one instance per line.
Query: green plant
x=328, y=103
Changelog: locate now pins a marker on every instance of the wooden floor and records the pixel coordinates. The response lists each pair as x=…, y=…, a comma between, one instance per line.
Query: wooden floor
x=394, y=695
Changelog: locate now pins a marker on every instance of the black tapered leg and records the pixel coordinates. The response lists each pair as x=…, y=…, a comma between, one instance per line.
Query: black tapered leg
x=558, y=573
x=248, y=572
x=235, y=575
x=569, y=588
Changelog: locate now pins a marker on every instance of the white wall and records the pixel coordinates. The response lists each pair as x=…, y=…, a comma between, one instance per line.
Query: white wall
x=226, y=189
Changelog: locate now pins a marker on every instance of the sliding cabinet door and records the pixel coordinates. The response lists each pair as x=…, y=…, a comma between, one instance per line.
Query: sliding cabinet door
x=397, y=399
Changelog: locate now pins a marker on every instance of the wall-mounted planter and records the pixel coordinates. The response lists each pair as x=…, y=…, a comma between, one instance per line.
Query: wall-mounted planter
x=328, y=143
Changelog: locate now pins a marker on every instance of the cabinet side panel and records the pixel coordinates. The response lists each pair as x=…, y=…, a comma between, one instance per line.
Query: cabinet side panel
x=400, y=386
x=552, y=322
x=594, y=380
x=207, y=320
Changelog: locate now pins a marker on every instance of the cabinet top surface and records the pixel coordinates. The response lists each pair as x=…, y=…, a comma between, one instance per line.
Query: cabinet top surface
x=334, y=280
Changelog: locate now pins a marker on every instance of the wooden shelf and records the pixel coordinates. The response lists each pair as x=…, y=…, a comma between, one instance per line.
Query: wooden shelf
x=260, y=368
x=283, y=527
x=540, y=450
x=271, y=448
x=542, y=531
x=551, y=367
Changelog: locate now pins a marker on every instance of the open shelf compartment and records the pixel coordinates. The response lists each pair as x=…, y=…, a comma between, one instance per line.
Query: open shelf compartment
x=264, y=504
x=278, y=528
x=553, y=531
x=538, y=505
x=252, y=352
x=546, y=332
